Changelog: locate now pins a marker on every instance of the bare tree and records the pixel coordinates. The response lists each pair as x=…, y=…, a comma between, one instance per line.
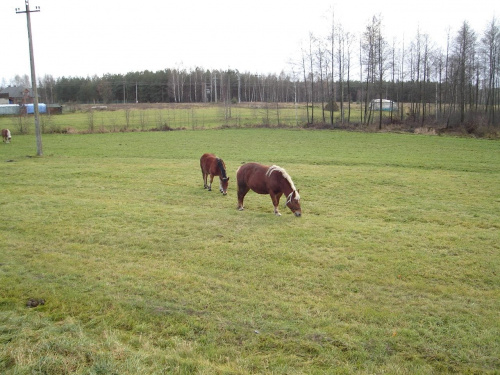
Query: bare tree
x=490, y=47
x=381, y=59
x=311, y=73
x=393, y=72
x=320, y=53
x=349, y=41
x=46, y=88
x=425, y=72
x=332, y=70
x=305, y=84
x=439, y=66
x=340, y=61
x=23, y=81
x=465, y=43
x=401, y=80
x=361, y=77
x=373, y=49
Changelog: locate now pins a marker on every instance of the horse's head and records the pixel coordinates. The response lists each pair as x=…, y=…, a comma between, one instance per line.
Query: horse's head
x=224, y=182
x=293, y=203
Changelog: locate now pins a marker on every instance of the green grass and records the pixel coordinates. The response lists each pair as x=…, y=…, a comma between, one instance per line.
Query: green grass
x=393, y=268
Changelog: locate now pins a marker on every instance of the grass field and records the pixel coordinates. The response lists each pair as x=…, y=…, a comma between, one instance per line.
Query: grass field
x=393, y=267
x=193, y=116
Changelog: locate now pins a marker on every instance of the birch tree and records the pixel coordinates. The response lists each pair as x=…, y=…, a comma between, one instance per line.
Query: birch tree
x=490, y=48
x=465, y=43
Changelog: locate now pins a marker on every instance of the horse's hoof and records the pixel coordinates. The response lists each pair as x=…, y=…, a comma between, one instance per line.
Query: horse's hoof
x=240, y=208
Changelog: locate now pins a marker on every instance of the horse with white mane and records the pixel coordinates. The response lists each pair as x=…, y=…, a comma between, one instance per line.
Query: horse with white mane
x=272, y=180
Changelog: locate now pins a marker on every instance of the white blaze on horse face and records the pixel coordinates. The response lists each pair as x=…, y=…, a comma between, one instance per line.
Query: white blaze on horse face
x=223, y=185
x=293, y=203
x=290, y=197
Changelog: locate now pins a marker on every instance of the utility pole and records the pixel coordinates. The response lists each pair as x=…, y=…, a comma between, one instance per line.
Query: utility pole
x=38, y=131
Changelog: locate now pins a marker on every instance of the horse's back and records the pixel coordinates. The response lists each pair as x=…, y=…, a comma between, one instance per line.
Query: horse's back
x=253, y=175
x=206, y=161
x=207, y=157
x=251, y=169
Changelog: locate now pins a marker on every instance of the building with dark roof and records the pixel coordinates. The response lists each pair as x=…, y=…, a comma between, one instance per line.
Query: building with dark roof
x=18, y=94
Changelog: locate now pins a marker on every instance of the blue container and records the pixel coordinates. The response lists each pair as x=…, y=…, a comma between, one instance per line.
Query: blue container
x=30, y=108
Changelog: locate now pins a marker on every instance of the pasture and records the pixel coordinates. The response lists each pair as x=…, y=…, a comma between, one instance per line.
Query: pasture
x=192, y=116
x=393, y=267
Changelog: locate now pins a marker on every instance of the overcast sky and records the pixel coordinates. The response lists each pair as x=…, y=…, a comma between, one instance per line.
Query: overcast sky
x=95, y=37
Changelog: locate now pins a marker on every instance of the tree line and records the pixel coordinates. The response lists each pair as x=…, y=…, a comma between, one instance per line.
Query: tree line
x=452, y=85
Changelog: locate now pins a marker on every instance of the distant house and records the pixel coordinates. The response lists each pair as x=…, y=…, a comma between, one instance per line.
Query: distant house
x=387, y=105
x=4, y=98
x=29, y=109
x=16, y=100
x=17, y=95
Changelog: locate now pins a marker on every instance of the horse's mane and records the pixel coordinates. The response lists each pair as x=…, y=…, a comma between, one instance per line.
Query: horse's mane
x=220, y=163
x=275, y=168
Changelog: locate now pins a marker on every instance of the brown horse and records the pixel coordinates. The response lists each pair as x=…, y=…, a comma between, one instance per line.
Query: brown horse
x=6, y=135
x=268, y=180
x=214, y=166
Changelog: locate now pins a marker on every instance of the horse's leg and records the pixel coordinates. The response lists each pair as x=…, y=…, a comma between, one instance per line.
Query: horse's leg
x=204, y=179
x=242, y=191
x=276, y=201
x=211, y=180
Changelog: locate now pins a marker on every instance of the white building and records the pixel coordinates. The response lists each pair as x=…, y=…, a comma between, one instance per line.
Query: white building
x=387, y=105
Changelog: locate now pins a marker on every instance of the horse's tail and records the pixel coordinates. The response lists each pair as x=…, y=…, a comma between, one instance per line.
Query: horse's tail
x=220, y=164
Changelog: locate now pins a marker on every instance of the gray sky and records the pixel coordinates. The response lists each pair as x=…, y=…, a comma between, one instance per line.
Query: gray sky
x=91, y=37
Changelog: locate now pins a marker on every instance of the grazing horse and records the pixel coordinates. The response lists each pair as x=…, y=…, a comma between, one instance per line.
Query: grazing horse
x=6, y=135
x=214, y=166
x=268, y=180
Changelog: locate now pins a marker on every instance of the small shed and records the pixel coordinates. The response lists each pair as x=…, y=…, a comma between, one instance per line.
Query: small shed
x=387, y=105
x=54, y=109
x=30, y=108
x=9, y=109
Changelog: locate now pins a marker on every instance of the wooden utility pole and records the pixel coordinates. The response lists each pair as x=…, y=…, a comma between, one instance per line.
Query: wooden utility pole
x=38, y=131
